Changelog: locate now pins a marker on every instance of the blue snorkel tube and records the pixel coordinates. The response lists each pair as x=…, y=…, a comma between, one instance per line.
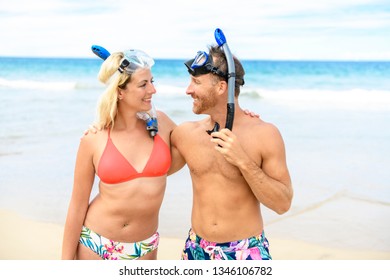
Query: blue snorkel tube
x=149, y=118
x=221, y=40
x=100, y=52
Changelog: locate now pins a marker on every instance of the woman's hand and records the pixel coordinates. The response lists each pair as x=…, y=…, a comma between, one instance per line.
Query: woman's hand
x=252, y=114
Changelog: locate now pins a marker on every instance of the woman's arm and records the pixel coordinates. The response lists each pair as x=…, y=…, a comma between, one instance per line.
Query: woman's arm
x=83, y=181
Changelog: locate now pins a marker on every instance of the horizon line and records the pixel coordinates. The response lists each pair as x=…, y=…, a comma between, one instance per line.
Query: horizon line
x=242, y=59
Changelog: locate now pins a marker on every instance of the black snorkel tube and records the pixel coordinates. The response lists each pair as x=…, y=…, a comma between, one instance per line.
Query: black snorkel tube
x=149, y=118
x=221, y=40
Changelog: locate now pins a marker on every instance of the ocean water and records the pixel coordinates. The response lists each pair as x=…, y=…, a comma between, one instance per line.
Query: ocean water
x=334, y=118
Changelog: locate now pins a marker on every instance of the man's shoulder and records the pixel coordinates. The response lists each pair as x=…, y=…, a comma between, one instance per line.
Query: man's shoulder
x=267, y=134
x=259, y=129
x=186, y=131
x=183, y=129
x=269, y=127
x=261, y=125
x=189, y=125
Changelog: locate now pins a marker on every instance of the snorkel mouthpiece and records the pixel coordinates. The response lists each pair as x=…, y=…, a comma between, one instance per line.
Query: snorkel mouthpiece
x=215, y=129
x=150, y=119
x=151, y=123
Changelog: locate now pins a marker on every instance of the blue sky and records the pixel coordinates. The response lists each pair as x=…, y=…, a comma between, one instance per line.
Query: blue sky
x=255, y=29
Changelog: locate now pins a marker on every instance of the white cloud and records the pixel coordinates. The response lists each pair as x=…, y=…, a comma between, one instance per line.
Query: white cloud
x=269, y=29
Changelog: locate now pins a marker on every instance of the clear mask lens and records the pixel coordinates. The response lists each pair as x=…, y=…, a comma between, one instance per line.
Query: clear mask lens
x=135, y=59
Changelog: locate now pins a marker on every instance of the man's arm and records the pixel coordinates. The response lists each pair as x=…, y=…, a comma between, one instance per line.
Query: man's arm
x=270, y=183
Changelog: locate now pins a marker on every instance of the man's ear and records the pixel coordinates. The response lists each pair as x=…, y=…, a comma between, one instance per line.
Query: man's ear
x=222, y=87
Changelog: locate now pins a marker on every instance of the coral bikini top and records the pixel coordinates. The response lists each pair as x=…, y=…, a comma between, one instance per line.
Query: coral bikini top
x=114, y=168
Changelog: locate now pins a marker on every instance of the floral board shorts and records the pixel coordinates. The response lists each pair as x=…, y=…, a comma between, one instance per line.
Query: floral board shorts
x=253, y=248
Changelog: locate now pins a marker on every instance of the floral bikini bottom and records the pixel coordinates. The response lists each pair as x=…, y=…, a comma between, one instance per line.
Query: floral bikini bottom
x=112, y=250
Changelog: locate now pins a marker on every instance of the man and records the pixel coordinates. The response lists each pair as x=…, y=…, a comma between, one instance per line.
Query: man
x=232, y=172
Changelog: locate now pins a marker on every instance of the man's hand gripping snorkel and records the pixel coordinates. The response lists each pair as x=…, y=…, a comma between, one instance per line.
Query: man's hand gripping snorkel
x=221, y=40
x=228, y=144
x=223, y=137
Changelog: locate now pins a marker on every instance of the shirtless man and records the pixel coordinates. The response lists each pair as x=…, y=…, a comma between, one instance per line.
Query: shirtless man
x=232, y=172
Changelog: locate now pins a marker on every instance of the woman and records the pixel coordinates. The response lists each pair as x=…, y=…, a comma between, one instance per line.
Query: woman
x=121, y=221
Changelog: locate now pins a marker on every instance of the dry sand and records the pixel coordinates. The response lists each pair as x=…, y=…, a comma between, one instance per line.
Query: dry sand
x=25, y=239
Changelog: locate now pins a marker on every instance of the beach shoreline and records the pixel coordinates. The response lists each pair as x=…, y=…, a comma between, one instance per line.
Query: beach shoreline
x=333, y=117
x=26, y=239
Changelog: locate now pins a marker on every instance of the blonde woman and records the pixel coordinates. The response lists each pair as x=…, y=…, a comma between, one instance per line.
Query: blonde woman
x=121, y=222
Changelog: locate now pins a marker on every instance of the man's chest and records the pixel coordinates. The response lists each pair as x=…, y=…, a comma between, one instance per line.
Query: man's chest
x=202, y=158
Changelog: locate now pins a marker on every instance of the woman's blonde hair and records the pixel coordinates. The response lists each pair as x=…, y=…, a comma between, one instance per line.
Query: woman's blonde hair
x=107, y=107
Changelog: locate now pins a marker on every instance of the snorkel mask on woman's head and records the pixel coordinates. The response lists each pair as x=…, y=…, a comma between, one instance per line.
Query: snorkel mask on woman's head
x=133, y=60
x=203, y=64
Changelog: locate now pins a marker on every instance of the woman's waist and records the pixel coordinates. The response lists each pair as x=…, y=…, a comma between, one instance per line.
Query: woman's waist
x=119, y=211
x=125, y=227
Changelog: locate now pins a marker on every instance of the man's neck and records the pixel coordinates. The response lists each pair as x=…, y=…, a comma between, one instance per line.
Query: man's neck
x=219, y=115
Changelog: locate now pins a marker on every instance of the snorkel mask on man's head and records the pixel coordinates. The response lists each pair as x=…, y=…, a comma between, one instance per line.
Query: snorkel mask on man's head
x=135, y=59
x=203, y=64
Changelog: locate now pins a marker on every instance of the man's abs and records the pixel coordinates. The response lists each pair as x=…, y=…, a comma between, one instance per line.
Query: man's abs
x=225, y=211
